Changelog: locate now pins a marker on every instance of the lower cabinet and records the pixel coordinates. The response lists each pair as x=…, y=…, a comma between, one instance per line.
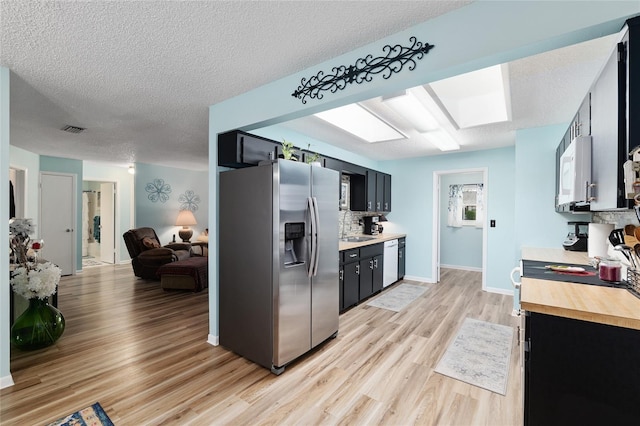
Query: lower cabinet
x=579, y=372
x=401, y=258
x=351, y=280
x=361, y=274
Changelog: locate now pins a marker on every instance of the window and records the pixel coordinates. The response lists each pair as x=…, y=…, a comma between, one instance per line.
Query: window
x=465, y=205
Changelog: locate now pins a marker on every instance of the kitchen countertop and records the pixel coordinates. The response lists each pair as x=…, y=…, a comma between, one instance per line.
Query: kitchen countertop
x=605, y=305
x=376, y=239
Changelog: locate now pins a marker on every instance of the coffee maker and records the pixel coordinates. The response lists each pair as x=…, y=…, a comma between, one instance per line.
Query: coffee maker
x=371, y=225
x=578, y=236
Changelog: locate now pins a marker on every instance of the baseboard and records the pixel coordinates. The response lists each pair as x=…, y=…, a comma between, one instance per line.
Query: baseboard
x=421, y=279
x=461, y=268
x=6, y=381
x=499, y=291
x=213, y=340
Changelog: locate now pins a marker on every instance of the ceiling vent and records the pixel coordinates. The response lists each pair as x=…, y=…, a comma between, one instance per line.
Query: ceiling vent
x=73, y=129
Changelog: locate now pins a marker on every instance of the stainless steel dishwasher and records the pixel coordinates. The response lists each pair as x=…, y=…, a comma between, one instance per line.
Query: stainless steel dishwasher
x=390, y=270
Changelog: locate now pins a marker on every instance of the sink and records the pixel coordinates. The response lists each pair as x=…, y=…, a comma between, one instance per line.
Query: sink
x=356, y=239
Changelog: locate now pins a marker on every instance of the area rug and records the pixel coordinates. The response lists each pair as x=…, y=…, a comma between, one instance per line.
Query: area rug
x=91, y=262
x=93, y=415
x=479, y=355
x=398, y=298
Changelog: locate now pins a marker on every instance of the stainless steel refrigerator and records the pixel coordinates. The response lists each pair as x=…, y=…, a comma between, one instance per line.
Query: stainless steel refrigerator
x=279, y=289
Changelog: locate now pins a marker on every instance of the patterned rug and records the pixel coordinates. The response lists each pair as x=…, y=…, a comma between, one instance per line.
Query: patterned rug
x=479, y=355
x=91, y=262
x=398, y=298
x=93, y=415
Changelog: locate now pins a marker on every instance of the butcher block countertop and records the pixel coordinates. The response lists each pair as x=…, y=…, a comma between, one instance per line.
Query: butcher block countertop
x=343, y=245
x=605, y=305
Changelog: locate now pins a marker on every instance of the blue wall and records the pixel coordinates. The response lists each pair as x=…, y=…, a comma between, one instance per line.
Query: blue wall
x=459, y=247
x=5, y=373
x=550, y=25
x=162, y=215
x=413, y=210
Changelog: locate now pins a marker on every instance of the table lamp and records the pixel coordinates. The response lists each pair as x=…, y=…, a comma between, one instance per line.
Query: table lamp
x=186, y=219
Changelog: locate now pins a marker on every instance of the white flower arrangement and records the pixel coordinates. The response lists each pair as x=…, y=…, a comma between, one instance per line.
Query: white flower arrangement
x=30, y=279
x=36, y=280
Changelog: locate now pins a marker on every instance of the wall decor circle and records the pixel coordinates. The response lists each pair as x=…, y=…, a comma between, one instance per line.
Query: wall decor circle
x=158, y=191
x=189, y=200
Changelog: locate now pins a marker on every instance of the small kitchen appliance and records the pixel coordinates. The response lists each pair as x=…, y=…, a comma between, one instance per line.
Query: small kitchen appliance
x=578, y=236
x=371, y=225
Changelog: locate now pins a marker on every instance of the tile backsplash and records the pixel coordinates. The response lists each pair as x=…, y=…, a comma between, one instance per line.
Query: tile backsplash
x=350, y=222
x=619, y=219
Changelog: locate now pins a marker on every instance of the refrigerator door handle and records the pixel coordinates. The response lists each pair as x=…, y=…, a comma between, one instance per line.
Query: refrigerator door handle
x=315, y=231
x=312, y=257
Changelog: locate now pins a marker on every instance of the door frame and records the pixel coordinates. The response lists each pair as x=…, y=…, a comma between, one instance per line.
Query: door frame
x=435, y=242
x=116, y=211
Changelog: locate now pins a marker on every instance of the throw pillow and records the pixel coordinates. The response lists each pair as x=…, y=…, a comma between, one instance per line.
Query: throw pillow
x=150, y=242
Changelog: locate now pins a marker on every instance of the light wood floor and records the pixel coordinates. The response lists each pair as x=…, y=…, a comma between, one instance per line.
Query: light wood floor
x=142, y=353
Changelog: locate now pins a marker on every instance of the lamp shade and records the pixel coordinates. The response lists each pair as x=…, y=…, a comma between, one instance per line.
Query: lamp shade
x=186, y=218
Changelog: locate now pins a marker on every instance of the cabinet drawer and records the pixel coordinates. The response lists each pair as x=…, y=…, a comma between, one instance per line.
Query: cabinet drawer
x=350, y=255
x=372, y=250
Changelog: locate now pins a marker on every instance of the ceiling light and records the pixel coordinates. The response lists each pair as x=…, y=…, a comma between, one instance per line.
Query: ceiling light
x=442, y=140
x=360, y=122
x=476, y=98
x=409, y=107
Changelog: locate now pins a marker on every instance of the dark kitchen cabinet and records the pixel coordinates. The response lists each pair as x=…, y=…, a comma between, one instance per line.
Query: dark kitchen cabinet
x=386, y=200
x=371, y=192
x=349, y=278
x=579, y=372
x=401, y=258
x=371, y=269
x=238, y=149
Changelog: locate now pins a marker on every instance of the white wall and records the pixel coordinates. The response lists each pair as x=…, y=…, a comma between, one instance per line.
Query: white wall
x=124, y=199
x=30, y=164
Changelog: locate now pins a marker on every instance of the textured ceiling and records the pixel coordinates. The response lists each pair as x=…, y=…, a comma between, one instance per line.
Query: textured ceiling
x=141, y=75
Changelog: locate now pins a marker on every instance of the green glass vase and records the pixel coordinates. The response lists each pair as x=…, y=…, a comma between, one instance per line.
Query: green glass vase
x=39, y=326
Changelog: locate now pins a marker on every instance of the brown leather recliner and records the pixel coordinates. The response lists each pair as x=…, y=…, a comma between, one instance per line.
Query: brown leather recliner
x=147, y=255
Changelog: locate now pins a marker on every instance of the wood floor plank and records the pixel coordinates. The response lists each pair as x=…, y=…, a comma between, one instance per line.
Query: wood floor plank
x=143, y=354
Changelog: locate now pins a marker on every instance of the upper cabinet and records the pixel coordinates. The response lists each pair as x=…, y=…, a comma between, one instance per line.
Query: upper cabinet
x=370, y=190
x=606, y=115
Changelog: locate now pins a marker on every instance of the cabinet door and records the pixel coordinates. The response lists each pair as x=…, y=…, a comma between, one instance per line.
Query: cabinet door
x=608, y=145
x=341, y=281
x=386, y=207
x=366, y=278
x=401, y=262
x=351, y=281
x=371, y=190
x=379, y=206
x=584, y=117
x=378, y=273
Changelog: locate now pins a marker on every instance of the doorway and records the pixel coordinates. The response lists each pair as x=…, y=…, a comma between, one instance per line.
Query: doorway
x=465, y=237
x=17, y=185
x=98, y=223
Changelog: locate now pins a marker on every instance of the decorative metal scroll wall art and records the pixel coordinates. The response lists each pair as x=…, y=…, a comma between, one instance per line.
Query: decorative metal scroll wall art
x=395, y=59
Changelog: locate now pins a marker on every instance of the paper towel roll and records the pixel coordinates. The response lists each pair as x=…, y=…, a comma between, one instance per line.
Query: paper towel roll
x=598, y=239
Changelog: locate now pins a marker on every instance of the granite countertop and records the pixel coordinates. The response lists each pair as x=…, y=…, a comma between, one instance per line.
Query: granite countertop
x=605, y=305
x=375, y=239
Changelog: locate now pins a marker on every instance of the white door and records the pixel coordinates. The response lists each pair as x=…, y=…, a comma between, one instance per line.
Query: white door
x=107, y=225
x=58, y=220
